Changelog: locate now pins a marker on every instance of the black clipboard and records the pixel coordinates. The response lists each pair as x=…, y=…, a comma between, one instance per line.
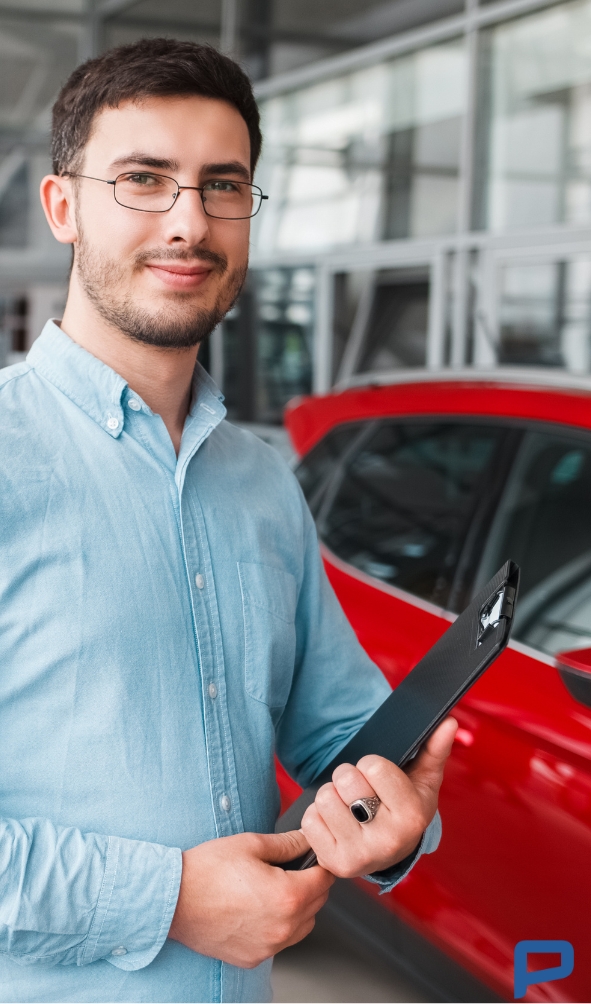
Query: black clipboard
x=427, y=694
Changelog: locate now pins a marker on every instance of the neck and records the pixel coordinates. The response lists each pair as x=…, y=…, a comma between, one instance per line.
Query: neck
x=161, y=377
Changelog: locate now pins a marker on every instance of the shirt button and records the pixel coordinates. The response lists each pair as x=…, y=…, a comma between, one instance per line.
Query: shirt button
x=199, y=581
x=225, y=803
x=119, y=951
x=113, y=423
x=212, y=690
x=134, y=404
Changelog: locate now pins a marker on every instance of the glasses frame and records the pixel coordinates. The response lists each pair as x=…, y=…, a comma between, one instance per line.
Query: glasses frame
x=179, y=189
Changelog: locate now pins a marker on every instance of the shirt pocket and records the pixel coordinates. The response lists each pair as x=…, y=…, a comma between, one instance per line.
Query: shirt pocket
x=269, y=598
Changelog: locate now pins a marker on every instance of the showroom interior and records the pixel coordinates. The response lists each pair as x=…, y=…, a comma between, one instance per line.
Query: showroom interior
x=427, y=165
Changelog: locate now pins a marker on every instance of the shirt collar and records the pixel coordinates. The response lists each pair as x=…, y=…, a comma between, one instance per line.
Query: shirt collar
x=98, y=390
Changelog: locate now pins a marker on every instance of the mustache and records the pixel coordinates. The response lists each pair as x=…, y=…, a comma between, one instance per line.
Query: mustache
x=192, y=256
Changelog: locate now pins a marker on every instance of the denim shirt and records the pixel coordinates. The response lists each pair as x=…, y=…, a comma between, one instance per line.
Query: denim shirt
x=166, y=627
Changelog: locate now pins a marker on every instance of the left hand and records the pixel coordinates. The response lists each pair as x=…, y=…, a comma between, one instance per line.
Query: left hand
x=409, y=801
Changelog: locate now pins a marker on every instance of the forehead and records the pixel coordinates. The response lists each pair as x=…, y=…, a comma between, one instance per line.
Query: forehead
x=190, y=130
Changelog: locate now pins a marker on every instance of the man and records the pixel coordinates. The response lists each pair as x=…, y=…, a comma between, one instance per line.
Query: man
x=165, y=623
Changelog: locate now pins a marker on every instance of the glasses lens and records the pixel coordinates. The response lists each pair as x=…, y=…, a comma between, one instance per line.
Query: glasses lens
x=231, y=200
x=152, y=193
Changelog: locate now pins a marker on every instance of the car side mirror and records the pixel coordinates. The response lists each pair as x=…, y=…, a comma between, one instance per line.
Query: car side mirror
x=575, y=670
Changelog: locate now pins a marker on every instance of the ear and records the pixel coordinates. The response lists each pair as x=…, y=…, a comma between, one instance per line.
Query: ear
x=57, y=199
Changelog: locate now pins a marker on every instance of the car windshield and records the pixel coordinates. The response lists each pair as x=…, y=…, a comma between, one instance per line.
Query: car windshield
x=400, y=504
x=544, y=524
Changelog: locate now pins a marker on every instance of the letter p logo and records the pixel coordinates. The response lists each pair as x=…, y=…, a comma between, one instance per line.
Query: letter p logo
x=524, y=979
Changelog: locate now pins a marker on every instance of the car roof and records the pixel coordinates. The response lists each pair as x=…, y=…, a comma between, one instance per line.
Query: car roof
x=526, y=376
x=542, y=395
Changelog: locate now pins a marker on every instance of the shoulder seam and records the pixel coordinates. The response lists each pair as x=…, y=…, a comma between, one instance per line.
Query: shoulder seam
x=15, y=376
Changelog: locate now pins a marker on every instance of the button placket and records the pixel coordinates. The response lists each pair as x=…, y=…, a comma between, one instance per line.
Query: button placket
x=220, y=753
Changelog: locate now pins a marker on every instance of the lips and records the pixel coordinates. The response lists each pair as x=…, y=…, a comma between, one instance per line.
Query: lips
x=180, y=276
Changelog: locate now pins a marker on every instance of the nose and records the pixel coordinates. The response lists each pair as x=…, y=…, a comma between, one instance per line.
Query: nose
x=187, y=221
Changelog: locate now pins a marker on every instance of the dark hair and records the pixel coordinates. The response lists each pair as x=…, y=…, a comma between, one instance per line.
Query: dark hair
x=152, y=67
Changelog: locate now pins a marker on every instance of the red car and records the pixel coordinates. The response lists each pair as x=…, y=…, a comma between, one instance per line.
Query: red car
x=421, y=487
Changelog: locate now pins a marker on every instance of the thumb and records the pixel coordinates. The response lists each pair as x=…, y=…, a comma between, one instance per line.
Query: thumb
x=281, y=847
x=426, y=770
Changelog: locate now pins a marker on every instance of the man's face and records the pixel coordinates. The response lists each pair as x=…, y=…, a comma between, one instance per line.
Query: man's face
x=162, y=278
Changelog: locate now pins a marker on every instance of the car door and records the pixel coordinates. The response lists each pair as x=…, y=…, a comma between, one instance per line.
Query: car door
x=513, y=864
x=399, y=514
x=414, y=516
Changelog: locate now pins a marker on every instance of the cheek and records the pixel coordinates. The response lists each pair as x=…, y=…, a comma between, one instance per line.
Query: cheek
x=232, y=238
x=115, y=231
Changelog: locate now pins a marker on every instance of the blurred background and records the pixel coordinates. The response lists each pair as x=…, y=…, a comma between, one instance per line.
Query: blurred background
x=428, y=164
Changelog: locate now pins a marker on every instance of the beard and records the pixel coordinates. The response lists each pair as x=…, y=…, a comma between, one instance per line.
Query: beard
x=180, y=324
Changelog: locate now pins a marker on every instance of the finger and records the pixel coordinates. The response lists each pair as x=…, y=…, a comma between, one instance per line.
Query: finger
x=318, y=833
x=426, y=770
x=389, y=782
x=335, y=813
x=301, y=932
x=312, y=886
x=277, y=848
x=351, y=784
x=441, y=742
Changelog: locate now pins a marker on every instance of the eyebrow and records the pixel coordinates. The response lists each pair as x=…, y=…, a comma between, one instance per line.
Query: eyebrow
x=163, y=164
x=146, y=160
x=230, y=167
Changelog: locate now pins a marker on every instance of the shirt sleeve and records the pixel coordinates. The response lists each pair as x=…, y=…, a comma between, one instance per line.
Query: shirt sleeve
x=428, y=843
x=70, y=898
x=336, y=687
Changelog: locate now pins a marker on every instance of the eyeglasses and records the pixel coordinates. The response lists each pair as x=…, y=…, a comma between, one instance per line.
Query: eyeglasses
x=156, y=193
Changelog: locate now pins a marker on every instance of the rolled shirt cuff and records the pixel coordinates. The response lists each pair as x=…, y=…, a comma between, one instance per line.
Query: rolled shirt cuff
x=428, y=843
x=136, y=903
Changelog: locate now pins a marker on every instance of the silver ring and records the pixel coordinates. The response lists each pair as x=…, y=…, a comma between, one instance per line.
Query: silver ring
x=364, y=809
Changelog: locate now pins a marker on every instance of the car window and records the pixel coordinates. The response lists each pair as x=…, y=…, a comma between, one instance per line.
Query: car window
x=544, y=524
x=315, y=469
x=399, y=508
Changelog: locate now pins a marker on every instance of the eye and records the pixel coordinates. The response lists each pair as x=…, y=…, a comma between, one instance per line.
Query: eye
x=144, y=180
x=221, y=186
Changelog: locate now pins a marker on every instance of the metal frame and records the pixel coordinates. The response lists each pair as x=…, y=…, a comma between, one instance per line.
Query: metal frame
x=460, y=257
x=472, y=19
x=454, y=260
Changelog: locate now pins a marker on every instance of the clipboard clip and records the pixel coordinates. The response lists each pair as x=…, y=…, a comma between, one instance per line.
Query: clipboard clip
x=499, y=607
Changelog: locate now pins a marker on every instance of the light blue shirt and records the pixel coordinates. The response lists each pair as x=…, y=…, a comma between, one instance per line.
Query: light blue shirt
x=166, y=626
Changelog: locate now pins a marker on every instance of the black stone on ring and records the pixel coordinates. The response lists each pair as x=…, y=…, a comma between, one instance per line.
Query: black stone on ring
x=364, y=809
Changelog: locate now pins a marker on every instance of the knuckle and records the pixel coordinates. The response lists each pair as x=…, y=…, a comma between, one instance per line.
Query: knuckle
x=254, y=844
x=418, y=819
x=343, y=770
x=291, y=838
x=283, y=932
x=253, y=963
x=325, y=795
x=345, y=866
x=291, y=905
x=372, y=766
x=309, y=818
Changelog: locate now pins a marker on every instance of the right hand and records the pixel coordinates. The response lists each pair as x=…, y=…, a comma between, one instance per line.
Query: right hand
x=234, y=905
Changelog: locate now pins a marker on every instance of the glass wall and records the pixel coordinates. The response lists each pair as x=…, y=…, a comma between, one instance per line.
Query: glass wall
x=267, y=344
x=545, y=314
x=535, y=106
x=450, y=229
x=35, y=57
x=368, y=156
x=409, y=222
x=37, y=53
